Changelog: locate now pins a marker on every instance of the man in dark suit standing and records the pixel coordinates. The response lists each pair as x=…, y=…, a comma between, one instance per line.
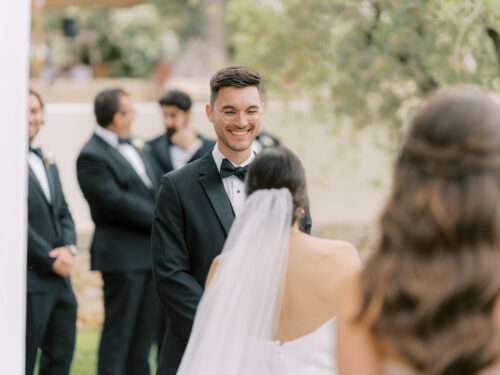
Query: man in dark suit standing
x=118, y=183
x=180, y=144
x=197, y=204
x=51, y=303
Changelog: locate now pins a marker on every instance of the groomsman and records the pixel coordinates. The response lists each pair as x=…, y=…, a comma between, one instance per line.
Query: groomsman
x=180, y=144
x=197, y=204
x=51, y=303
x=118, y=183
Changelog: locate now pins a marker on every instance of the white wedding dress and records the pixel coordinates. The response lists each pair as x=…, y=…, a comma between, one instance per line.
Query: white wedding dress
x=235, y=325
x=311, y=354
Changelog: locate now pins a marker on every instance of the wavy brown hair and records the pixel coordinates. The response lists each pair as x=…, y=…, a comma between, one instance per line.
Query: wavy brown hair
x=430, y=289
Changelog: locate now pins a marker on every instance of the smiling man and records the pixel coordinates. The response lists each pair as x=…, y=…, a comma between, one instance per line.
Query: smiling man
x=197, y=204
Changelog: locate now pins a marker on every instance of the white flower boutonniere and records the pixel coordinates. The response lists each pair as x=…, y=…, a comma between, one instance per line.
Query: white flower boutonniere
x=138, y=144
x=48, y=159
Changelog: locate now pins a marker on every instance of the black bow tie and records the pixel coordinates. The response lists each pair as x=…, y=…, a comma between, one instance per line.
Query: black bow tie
x=227, y=169
x=37, y=151
x=123, y=141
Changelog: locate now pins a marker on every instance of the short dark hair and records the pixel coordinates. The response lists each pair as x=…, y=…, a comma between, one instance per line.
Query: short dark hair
x=233, y=76
x=107, y=104
x=276, y=168
x=37, y=95
x=176, y=98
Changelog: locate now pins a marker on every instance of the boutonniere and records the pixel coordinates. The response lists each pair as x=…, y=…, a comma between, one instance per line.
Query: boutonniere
x=138, y=144
x=48, y=159
x=266, y=141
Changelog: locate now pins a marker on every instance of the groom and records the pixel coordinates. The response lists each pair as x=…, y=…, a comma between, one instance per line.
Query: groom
x=197, y=204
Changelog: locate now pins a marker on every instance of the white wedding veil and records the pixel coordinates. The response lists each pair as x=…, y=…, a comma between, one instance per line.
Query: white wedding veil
x=236, y=318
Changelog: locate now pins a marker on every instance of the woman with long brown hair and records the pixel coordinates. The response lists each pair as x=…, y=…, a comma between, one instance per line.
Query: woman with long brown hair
x=427, y=300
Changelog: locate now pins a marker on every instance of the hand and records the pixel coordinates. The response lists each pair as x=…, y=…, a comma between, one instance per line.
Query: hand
x=184, y=138
x=63, y=264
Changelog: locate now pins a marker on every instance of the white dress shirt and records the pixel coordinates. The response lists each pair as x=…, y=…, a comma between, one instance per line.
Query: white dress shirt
x=180, y=156
x=234, y=187
x=128, y=152
x=38, y=169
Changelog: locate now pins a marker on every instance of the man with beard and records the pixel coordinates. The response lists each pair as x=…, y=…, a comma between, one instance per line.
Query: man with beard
x=180, y=144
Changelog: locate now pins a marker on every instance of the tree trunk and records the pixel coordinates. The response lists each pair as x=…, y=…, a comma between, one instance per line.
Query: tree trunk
x=214, y=33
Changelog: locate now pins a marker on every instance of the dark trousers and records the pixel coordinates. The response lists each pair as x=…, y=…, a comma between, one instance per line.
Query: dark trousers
x=51, y=326
x=129, y=324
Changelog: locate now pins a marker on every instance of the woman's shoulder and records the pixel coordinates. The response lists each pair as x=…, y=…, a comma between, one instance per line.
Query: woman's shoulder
x=339, y=254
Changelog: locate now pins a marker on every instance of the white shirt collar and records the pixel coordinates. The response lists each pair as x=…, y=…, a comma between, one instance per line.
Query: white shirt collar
x=218, y=157
x=107, y=135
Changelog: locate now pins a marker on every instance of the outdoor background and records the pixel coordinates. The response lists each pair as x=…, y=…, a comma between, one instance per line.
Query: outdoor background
x=342, y=77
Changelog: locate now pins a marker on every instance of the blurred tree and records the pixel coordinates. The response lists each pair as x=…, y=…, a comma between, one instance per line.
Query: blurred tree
x=371, y=60
x=125, y=39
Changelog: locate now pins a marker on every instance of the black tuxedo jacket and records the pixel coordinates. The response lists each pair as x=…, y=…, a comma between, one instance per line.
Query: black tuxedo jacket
x=192, y=219
x=121, y=206
x=50, y=225
x=159, y=148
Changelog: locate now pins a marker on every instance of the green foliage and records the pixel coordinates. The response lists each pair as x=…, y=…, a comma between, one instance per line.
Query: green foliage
x=127, y=40
x=370, y=60
x=183, y=16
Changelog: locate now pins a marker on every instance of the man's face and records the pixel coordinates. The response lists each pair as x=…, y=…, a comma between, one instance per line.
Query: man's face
x=35, y=117
x=174, y=118
x=236, y=116
x=124, y=118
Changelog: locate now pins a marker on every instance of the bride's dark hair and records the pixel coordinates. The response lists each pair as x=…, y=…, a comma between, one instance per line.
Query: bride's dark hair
x=276, y=168
x=431, y=287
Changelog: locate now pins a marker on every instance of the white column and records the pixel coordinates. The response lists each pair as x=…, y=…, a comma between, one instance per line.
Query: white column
x=14, y=52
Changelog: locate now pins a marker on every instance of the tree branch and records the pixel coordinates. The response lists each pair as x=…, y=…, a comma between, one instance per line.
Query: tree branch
x=495, y=38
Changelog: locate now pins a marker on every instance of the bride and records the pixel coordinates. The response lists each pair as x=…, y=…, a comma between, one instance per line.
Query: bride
x=273, y=294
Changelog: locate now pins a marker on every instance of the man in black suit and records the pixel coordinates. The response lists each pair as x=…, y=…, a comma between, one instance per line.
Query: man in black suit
x=51, y=303
x=197, y=204
x=118, y=183
x=180, y=144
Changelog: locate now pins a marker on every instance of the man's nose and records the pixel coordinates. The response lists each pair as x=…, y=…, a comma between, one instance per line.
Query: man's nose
x=242, y=119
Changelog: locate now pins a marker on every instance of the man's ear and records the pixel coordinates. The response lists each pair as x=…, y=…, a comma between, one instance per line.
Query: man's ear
x=209, y=111
x=116, y=119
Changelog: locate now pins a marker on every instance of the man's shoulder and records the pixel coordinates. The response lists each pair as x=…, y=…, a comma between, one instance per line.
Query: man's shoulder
x=186, y=175
x=155, y=141
x=93, y=148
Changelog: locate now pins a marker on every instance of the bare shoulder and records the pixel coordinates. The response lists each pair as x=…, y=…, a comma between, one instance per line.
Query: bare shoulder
x=341, y=255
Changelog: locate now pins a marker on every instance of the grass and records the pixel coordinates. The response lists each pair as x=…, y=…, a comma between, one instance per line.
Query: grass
x=85, y=358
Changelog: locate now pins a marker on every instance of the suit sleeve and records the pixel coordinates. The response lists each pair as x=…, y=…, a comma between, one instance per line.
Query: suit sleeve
x=179, y=291
x=64, y=215
x=38, y=251
x=102, y=191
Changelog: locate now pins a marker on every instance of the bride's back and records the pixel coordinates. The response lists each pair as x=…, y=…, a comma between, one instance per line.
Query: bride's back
x=316, y=269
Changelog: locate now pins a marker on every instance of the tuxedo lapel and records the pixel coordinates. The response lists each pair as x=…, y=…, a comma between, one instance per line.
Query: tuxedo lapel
x=36, y=184
x=120, y=159
x=212, y=184
x=149, y=170
x=163, y=151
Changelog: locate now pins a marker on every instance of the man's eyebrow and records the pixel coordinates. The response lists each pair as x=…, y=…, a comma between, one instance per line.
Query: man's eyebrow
x=227, y=106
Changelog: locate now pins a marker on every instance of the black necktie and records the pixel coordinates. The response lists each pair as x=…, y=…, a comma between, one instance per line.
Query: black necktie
x=37, y=151
x=123, y=141
x=227, y=169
